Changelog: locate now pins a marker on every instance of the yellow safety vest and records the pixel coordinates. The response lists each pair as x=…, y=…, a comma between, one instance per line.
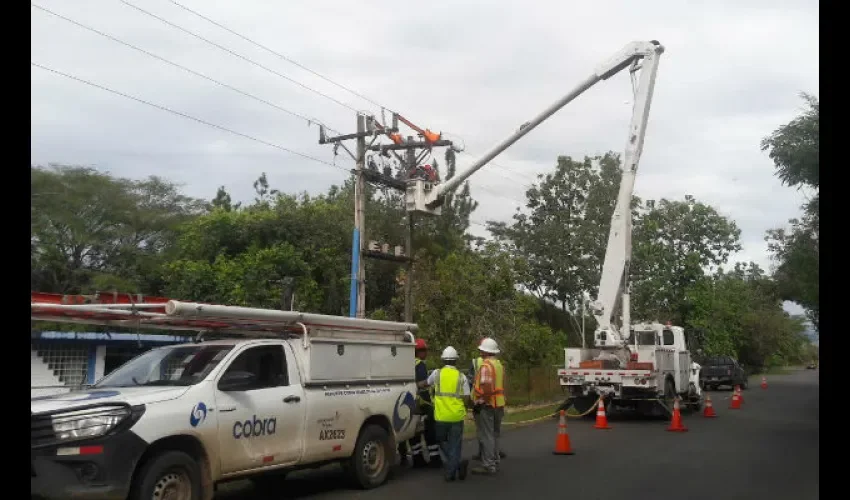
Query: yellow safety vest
x=476, y=363
x=448, y=395
x=498, y=398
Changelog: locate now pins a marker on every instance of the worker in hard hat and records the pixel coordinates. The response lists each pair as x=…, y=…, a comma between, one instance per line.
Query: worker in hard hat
x=489, y=400
x=450, y=390
x=431, y=452
x=477, y=359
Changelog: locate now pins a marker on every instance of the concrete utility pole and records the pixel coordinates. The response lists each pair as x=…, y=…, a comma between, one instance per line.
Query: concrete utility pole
x=365, y=128
x=409, y=164
x=358, y=271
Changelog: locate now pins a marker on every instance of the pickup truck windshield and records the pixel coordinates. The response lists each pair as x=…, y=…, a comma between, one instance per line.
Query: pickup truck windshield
x=179, y=365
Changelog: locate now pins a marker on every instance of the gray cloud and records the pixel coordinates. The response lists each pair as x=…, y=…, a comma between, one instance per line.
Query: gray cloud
x=476, y=70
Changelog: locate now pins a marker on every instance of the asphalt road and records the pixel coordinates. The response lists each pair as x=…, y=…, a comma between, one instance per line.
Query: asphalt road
x=766, y=450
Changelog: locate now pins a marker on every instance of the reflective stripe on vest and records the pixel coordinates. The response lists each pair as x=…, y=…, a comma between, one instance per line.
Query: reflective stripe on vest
x=448, y=395
x=497, y=400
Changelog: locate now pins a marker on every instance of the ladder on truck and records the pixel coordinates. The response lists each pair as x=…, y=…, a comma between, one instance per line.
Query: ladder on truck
x=139, y=312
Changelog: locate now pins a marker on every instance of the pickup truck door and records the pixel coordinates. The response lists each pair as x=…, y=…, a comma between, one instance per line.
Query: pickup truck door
x=260, y=421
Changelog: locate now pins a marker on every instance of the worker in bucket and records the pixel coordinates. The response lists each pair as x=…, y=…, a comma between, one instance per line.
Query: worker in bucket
x=489, y=406
x=450, y=390
x=423, y=401
x=477, y=359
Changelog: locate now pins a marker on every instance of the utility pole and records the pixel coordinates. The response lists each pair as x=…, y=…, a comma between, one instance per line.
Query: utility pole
x=365, y=128
x=409, y=164
x=358, y=271
x=361, y=247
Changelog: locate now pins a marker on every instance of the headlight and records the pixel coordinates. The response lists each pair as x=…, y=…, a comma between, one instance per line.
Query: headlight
x=88, y=423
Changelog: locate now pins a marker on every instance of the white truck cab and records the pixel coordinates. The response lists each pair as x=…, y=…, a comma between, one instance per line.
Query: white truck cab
x=656, y=364
x=180, y=419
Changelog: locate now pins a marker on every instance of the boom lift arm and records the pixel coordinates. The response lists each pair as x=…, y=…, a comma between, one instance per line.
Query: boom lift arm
x=427, y=198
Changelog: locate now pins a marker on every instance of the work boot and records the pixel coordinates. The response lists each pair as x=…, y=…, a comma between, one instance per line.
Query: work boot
x=463, y=470
x=482, y=471
x=502, y=455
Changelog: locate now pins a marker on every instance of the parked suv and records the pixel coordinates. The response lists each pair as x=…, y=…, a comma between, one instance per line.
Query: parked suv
x=722, y=370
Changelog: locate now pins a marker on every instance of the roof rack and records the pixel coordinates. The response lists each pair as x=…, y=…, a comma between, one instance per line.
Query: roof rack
x=159, y=313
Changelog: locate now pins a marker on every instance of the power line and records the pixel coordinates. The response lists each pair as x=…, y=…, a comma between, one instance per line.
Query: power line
x=189, y=117
x=240, y=56
x=309, y=121
x=278, y=54
x=296, y=63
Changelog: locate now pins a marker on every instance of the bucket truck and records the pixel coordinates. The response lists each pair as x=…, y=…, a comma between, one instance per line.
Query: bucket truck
x=643, y=366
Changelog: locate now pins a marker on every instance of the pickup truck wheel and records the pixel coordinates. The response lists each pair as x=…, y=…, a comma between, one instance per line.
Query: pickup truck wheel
x=744, y=385
x=171, y=475
x=370, y=463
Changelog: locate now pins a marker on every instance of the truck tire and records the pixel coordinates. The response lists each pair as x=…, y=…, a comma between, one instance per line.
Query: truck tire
x=744, y=384
x=369, y=465
x=171, y=473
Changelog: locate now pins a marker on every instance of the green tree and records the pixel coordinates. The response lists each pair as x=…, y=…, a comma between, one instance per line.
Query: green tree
x=471, y=294
x=564, y=232
x=92, y=231
x=794, y=149
x=244, y=256
x=673, y=243
x=739, y=313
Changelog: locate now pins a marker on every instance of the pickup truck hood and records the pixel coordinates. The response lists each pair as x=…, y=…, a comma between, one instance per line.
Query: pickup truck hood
x=131, y=395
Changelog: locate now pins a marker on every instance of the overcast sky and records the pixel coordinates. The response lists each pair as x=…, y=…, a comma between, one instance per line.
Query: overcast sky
x=476, y=70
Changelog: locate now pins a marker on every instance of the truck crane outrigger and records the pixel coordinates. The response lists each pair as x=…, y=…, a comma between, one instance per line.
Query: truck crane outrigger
x=653, y=365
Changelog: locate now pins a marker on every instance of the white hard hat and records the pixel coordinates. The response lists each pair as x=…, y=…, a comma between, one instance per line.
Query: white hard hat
x=489, y=346
x=449, y=353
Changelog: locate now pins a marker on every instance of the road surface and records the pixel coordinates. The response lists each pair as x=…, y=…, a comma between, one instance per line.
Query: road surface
x=767, y=450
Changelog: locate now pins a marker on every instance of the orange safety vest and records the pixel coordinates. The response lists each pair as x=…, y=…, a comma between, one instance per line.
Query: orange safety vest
x=497, y=399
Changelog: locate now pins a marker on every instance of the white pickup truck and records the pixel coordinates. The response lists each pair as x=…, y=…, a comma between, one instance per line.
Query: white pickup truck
x=175, y=421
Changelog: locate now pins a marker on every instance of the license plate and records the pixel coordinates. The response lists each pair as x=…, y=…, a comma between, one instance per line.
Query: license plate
x=714, y=378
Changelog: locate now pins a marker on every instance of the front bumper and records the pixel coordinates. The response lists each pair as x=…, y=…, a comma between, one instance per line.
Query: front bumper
x=92, y=473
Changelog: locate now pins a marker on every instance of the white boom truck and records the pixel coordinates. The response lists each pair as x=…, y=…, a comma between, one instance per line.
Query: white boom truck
x=287, y=390
x=630, y=365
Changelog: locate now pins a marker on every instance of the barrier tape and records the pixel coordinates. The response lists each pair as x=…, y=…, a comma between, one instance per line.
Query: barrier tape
x=592, y=408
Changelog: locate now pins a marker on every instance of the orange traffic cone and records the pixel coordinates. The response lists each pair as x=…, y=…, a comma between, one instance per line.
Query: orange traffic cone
x=708, y=412
x=740, y=394
x=676, y=421
x=735, y=404
x=764, y=382
x=601, y=419
x=562, y=441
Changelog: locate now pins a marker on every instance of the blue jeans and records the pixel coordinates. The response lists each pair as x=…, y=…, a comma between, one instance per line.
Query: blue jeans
x=450, y=437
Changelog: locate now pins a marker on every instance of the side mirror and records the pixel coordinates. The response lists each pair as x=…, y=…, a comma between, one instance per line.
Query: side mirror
x=237, y=381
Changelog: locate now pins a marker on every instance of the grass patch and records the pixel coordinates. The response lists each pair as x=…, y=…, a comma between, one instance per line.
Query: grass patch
x=514, y=417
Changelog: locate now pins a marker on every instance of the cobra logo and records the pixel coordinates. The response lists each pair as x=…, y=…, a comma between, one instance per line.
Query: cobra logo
x=403, y=411
x=198, y=415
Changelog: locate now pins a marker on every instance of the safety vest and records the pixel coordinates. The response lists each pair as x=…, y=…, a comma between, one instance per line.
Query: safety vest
x=498, y=398
x=448, y=395
x=476, y=363
x=423, y=396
